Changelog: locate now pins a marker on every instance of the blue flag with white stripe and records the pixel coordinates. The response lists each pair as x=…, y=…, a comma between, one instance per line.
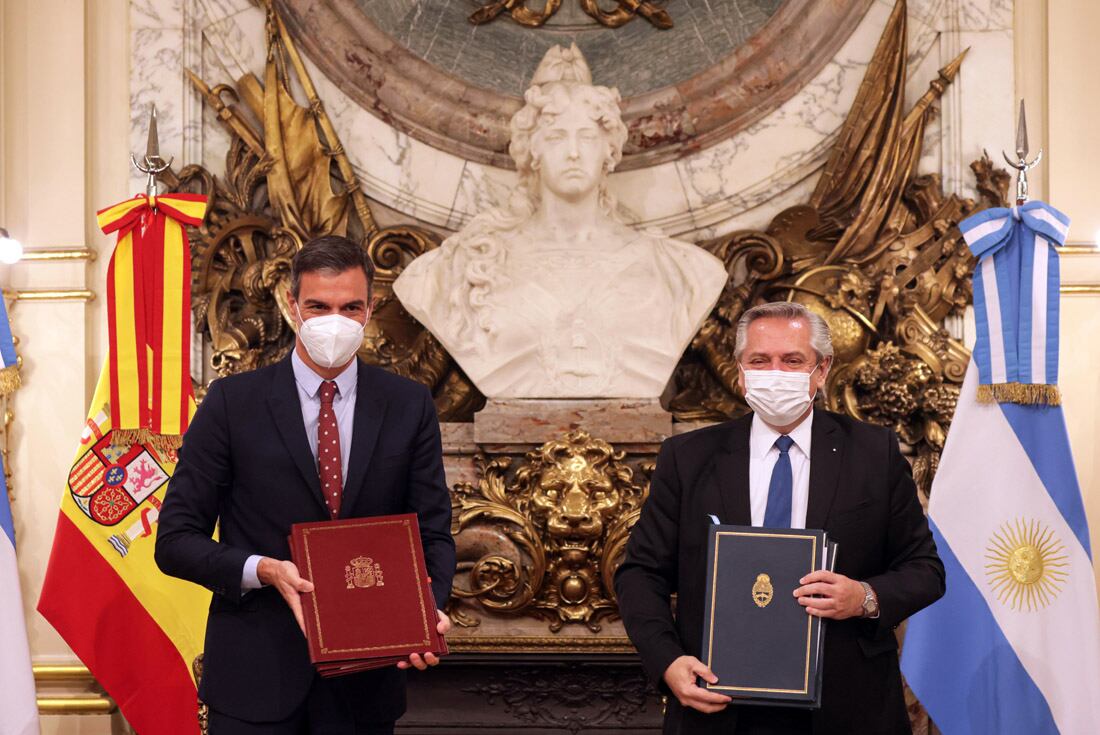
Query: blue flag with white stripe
x=1014, y=645
x=18, y=708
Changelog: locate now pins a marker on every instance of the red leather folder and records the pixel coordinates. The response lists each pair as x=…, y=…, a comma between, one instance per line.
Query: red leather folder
x=372, y=602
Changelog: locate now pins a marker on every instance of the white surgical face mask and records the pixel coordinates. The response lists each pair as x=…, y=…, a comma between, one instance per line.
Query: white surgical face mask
x=779, y=396
x=331, y=340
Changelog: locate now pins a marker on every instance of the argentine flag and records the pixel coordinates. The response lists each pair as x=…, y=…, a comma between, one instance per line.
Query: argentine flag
x=1014, y=645
x=18, y=709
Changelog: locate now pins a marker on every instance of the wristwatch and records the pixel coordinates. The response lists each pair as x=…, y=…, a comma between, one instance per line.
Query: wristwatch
x=870, y=602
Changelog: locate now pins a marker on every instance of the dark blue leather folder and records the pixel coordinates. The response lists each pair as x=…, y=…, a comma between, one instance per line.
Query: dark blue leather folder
x=760, y=643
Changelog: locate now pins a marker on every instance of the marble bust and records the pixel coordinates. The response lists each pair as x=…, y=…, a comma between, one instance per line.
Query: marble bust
x=552, y=296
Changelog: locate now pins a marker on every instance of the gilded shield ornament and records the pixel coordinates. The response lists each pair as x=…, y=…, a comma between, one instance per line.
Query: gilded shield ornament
x=363, y=572
x=762, y=591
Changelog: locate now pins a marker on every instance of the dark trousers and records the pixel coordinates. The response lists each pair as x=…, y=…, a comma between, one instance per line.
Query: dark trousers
x=773, y=721
x=324, y=712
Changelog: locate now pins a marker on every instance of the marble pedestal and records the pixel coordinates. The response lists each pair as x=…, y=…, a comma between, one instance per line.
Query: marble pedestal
x=532, y=421
x=516, y=426
x=504, y=663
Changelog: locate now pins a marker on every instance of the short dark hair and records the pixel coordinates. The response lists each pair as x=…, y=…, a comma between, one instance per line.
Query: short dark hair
x=331, y=253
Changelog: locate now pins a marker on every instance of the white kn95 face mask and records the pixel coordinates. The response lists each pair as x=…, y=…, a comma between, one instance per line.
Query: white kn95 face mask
x=331, y=340
x=779, y=396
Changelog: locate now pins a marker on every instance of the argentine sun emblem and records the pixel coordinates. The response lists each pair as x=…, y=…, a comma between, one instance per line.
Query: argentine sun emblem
x=1026, y=565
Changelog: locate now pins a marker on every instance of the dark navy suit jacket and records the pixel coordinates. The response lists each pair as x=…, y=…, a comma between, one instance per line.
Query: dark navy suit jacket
x=861, y=492
x=246, y=467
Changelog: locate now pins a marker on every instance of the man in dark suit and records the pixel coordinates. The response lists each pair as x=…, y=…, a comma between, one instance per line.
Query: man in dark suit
x=317, y=436
x=785, y=465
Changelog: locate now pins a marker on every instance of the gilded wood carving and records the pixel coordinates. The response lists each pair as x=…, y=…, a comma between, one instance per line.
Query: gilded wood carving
x=545, y=537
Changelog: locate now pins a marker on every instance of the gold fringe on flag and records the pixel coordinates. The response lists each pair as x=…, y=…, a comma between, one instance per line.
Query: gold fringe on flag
x=160, y=442
x=9, y=380
x=1036, y=394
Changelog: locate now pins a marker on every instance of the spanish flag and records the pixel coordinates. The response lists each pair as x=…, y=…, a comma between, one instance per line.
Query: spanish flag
x=137, y=630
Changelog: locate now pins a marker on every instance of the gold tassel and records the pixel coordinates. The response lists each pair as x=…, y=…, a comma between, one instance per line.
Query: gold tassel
x=9, y=380
x=147, y=437
x=1035, y=394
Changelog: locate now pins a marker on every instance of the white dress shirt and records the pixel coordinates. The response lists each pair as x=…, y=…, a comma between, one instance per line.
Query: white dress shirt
x=763, y=454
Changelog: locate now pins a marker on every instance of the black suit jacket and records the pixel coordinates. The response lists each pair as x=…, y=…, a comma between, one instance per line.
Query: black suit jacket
x=861, y=492
x=246, y=466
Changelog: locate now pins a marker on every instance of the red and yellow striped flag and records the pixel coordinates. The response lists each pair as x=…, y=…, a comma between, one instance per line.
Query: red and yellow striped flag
x=137, y=630
x=148, y=313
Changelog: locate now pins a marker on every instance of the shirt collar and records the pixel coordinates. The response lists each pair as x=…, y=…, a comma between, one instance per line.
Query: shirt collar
x=310, y=381
x=762, y=437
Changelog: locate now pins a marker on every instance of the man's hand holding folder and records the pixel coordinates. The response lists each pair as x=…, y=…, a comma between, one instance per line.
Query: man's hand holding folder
x=284, y=576
x=830, y=595
x=422, y=662
x=681, y=677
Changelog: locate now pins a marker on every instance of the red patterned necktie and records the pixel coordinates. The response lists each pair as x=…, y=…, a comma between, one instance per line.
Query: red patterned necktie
x=328, y=450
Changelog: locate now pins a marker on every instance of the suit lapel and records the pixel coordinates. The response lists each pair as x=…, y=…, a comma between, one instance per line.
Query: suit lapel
x=826, y=458
x=286, y=410
x=366, y=425
x=732, y=468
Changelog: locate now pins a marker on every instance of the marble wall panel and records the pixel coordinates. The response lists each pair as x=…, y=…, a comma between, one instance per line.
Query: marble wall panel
x=738, y=183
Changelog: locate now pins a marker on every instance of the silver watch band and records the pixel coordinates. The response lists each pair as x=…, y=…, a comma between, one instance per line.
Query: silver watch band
x=870, y=602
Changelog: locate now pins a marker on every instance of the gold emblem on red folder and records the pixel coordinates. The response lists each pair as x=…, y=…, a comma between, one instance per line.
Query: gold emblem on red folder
x=762, y=591
x=362, y=571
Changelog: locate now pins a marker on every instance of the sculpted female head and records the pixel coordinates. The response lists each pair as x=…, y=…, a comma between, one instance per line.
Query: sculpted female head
x=565, y=140
x=570, y=133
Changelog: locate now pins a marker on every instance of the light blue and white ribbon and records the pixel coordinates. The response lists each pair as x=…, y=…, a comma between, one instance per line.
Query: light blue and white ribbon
x=1016, y=296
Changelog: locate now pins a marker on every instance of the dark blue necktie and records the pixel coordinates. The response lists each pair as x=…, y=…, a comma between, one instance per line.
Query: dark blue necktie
x=778, y=512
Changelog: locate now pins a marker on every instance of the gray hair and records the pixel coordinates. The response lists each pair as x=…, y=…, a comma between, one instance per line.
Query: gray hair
x=820, y=338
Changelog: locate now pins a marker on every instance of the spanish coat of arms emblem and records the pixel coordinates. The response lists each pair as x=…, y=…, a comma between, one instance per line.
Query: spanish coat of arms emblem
x=362, y=571
x=109, y=481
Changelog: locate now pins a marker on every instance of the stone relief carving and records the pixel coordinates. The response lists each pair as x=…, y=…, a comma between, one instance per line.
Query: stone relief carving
x=418, y=70
x=571, y=698
x=624, y=12
x=552, y=296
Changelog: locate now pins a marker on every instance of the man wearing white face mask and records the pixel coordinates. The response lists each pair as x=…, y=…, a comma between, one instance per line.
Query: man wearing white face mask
x=785, y=465
x=316, y=436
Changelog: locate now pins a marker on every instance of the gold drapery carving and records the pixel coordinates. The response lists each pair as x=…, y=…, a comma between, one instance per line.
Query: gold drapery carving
x=878, y=254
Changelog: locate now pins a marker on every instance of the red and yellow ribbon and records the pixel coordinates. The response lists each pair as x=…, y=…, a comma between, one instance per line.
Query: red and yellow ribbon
x=148, y=317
